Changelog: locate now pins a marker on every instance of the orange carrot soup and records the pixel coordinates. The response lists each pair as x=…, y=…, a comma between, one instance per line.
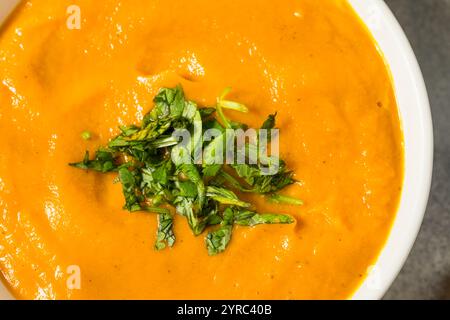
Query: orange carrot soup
x=73, y=72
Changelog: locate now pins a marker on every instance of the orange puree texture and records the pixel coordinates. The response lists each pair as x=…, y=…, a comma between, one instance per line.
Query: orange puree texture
x=312, y=61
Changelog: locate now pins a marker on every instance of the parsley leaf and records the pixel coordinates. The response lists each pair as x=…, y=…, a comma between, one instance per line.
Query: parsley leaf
x=165, y=236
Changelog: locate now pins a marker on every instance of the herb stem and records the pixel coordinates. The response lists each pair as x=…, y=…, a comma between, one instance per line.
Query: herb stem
x=280, y=199
x=156, y=210
x=222, y=117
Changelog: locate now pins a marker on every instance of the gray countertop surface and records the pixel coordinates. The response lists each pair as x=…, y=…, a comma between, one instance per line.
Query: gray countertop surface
x=426, y=274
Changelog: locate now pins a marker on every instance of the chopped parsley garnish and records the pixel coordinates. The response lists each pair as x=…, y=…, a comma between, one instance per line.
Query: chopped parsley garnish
x=158, y=171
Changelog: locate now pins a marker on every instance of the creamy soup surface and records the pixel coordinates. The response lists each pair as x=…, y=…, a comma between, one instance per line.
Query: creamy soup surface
x=311, y=61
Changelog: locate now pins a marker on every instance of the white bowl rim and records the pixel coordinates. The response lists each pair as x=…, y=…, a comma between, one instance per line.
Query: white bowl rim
x=418, y=144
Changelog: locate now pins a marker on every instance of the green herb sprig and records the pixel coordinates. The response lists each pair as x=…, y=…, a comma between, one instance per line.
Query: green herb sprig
x=148, y=160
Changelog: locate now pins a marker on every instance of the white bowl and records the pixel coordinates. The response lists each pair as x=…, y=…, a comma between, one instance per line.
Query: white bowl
x=418, y=133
